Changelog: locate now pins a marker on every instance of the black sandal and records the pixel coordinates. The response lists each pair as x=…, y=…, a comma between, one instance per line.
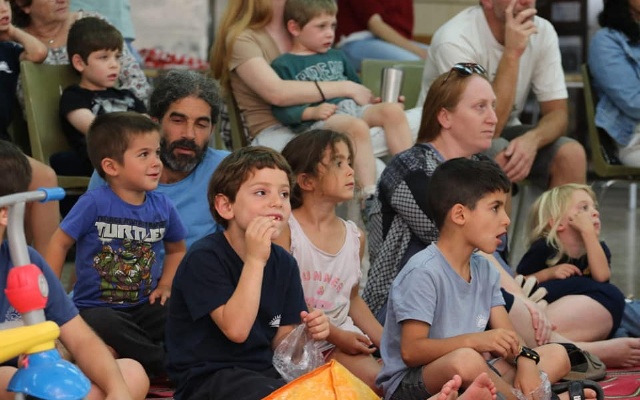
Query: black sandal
x=584, y=365
x=576, y=389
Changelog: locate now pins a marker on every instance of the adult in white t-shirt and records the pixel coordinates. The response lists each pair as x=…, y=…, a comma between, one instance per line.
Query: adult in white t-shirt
x=520, y=53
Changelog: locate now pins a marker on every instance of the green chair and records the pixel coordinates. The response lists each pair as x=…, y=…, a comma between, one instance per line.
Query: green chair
x=42, y=86
x=18, y=130
x=605, y=162
x=239, y=134
x=371, y=73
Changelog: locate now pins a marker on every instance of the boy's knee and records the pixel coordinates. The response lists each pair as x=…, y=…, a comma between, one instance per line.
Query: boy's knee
x=6, y=373
x=394, y=111
x=358, y=129
x=467, y=363
x=556, y=355
x=135, y=377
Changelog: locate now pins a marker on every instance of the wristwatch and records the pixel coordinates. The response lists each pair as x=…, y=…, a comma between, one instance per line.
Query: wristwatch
x=527, y=353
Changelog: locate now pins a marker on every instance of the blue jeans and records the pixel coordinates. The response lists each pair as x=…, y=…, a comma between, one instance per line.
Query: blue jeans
x=375, y=48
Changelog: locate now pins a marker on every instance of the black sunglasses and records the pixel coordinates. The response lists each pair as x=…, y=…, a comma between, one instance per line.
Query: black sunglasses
x=466, y=69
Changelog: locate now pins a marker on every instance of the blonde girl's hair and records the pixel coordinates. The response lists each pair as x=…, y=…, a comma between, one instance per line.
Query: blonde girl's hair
x=547, y=212
x=239, y=16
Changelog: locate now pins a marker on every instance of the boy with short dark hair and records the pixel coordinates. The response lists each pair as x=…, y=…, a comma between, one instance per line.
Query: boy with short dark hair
x=94, y=48
x=236, y=295
x=122, y=285
x=443, y=300
x=90, y=353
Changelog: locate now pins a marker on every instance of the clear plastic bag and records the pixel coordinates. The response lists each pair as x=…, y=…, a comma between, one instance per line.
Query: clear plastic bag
x=542, y=392
x=297, y=354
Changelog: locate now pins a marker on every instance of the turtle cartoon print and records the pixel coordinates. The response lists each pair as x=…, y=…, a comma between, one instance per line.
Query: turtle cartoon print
x=125, y=262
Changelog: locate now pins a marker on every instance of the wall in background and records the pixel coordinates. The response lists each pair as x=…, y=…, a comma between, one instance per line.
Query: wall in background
x=177, y=26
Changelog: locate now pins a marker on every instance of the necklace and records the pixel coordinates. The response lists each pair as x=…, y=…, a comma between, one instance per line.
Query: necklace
x=52, y=39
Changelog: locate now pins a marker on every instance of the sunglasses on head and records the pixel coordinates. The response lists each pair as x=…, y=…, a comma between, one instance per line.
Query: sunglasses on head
x=466, y=69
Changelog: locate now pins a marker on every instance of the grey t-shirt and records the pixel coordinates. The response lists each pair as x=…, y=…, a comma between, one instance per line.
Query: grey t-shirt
x=429, y=290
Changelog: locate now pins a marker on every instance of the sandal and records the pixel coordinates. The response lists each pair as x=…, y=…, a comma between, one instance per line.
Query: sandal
x=576, y=389
x=584, y=365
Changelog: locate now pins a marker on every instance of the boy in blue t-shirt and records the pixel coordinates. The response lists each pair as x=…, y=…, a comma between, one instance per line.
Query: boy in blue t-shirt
x=443, y=300
x=236, y=295
x=89, y=352
x=122, y=285
x=94, y=48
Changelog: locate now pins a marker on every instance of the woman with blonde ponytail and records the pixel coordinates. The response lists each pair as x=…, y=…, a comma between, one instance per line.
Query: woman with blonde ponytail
x=252, y=33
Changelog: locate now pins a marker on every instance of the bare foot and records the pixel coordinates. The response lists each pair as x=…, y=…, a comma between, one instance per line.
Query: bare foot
x=482, y=388
x=449, y=390
x=615, y=353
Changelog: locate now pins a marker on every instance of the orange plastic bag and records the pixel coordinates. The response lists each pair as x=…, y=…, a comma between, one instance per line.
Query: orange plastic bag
x=332, y=381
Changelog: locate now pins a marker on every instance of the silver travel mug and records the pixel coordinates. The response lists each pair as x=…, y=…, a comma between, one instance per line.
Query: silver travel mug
x=391, y=84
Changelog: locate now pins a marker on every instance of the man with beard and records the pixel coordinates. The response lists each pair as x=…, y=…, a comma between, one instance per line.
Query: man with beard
x=187, y=105
x=520, y=52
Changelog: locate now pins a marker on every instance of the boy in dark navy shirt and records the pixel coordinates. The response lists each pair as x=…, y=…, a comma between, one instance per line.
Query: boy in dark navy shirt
x=236, y=295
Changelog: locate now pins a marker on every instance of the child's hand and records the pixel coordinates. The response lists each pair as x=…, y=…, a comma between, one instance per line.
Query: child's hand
x=564, y=271
x=354, y=343
x=527, y=377
x=541, y=323
x=500, y=342
x=359, y=93
x=323, y=111
x=581, y=222
x=258, y=239
x=161, y=292
x=317, y=324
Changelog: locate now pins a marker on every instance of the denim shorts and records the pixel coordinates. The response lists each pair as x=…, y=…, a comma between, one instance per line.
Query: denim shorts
x=412, y=386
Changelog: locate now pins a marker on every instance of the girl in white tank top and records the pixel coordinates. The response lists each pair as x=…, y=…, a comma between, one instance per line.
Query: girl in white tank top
x=328, y=249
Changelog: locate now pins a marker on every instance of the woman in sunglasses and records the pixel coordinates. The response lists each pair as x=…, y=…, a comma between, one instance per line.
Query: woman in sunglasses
x=458, y=120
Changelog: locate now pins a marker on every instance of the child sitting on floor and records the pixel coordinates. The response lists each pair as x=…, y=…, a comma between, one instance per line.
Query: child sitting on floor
x=236, y=295
x=445, y=298
x=567, y=258
x=328, y=249
x=122, y=284
x=122, y=379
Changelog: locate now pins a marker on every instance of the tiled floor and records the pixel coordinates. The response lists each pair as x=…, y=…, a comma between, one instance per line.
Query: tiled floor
x=620, y=228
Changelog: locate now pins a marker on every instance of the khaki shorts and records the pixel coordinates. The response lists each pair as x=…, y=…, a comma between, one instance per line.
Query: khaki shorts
x=539, y=174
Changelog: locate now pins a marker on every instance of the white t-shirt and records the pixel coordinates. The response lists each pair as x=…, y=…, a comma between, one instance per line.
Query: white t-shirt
x=327, y=279
x=467, y=38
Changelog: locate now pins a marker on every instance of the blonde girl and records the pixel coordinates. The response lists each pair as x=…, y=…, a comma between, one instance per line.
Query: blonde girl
x=569, y=260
